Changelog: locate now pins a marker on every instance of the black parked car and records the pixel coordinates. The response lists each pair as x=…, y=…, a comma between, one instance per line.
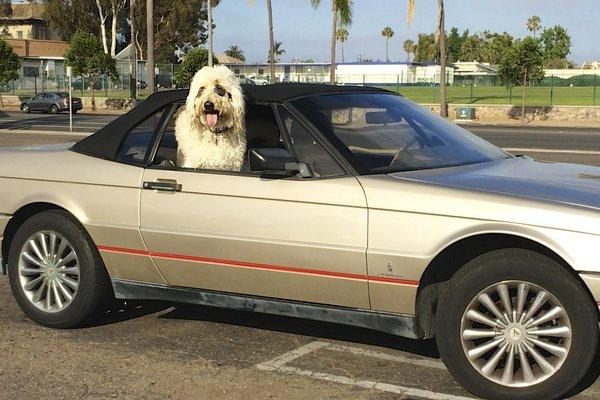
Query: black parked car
x=53, y=102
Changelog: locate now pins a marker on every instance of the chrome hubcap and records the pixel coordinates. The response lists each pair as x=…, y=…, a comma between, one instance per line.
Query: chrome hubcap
x=516, y=333
x=49, y=271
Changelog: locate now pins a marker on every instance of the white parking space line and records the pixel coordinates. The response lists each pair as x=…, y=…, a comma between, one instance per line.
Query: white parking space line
x=388, y=357
x=278, y=364
x=558, y=151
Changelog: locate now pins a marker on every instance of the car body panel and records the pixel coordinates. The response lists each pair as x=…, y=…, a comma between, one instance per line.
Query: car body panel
x=286, y=238
x=102, y=195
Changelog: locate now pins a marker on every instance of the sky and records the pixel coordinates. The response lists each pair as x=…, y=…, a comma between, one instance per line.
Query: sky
x=305, y=32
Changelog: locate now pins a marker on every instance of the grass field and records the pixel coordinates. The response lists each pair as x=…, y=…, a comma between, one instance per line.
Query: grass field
x=536, y=96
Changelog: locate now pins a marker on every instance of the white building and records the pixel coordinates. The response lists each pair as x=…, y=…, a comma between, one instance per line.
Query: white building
x=355, y=73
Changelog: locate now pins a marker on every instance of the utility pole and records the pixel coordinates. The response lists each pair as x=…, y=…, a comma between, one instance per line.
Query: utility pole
x=133, y=80
x=210, y=41
x=150, y=45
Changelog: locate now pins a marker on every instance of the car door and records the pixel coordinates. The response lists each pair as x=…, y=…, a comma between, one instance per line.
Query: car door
x=296, y=239
x=37, y=102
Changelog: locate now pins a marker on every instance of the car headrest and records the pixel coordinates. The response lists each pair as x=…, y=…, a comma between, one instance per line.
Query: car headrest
x=261, y=127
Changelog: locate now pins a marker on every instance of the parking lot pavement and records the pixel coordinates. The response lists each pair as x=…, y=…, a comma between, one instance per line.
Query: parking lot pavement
x=156, y=351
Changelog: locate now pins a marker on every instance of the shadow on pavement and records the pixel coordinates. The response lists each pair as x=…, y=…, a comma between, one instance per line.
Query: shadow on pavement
x=299, y=326
x=126, y=310
x=589, y=379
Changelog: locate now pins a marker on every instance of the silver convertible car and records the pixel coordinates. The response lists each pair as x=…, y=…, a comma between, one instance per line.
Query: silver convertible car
x=355, y=206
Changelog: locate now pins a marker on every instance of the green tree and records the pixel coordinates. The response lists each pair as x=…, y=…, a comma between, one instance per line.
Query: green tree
x=6, y=8
x=387, y=33
x=521, y=65
x=70, y=16
x=193, y=61
x=409, y=48
x=454, y=43
x=342, y=15
x=278, y=51
x=472, y=48
x=495, y=46
x=177, y=24
x=426, y=49
x=534, y=24
x=342, y=36
x=235, y=52
x=556, y=46
x=10, y=63
x=87, y=58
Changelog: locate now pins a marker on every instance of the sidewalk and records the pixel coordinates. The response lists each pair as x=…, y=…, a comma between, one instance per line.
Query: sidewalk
x=499, y=122
x=84, y=111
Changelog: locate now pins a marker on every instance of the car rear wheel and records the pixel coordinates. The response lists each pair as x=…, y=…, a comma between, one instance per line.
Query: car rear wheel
x=25, y=108
x=515, y=324
x=54, y=109
x=55, y=271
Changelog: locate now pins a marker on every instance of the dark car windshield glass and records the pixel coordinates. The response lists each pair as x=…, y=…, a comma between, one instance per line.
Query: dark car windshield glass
x=384, y=133
x=63, y=94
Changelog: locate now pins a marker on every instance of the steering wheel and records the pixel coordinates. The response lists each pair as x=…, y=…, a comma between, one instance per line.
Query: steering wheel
x=399, y=154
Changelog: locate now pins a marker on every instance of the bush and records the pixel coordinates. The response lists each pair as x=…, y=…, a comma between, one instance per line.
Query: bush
x=194, y=60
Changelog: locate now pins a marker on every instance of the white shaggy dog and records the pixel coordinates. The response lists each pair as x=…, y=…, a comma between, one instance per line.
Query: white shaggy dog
x=210, y=129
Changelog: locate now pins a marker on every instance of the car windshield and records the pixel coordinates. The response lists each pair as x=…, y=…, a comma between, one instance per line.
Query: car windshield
x=385, y=133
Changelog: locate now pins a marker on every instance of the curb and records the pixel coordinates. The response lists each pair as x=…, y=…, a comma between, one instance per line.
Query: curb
x=50, y=133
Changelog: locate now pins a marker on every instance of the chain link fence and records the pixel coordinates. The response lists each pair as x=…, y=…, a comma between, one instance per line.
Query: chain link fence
x=572, y=88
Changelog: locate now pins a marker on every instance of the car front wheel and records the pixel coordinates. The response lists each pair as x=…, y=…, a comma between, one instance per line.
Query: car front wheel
x=515, y=324
x=54, y=109
x=55, y=271
x=25, y=108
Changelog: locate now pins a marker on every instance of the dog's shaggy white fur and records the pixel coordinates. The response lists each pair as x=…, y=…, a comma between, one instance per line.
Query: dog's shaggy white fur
x=210, y=129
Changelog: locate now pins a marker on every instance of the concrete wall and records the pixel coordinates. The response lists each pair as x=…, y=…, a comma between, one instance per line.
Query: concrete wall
x=102, y=103
x=575, y=114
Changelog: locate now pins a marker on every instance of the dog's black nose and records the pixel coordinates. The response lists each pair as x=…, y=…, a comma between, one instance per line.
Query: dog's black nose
x=209, y=106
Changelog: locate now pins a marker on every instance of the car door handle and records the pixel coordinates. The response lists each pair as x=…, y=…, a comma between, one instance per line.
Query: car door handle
x=163, y=185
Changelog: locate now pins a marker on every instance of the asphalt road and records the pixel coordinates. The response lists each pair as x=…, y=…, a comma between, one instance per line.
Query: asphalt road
x=155, y=350
x=575, y=145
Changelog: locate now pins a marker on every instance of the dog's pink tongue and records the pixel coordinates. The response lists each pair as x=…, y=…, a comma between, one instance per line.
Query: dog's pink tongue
x=212, y=119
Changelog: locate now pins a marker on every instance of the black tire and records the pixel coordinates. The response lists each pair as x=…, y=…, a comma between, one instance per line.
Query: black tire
x=519, y=265
x=25, y=108
x=94, y=291
x=54, y=109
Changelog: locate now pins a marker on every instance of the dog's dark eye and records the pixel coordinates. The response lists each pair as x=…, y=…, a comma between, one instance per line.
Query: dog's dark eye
x=220, y=91
x=229, y=95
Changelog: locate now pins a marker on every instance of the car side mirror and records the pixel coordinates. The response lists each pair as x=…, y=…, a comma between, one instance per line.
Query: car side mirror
x=277, y=162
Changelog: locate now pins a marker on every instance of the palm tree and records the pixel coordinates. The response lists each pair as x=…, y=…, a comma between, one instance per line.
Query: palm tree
x=277, y=51
x=534, y=24
x=387, y=33
x=235, y=52
x=441, y=39
x=342, y=35
x=342, y=13
x=271, y=41
x=409, y=48
x=209, y=23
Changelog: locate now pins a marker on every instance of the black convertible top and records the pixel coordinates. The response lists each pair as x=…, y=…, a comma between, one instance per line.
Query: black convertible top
x=105, y=142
